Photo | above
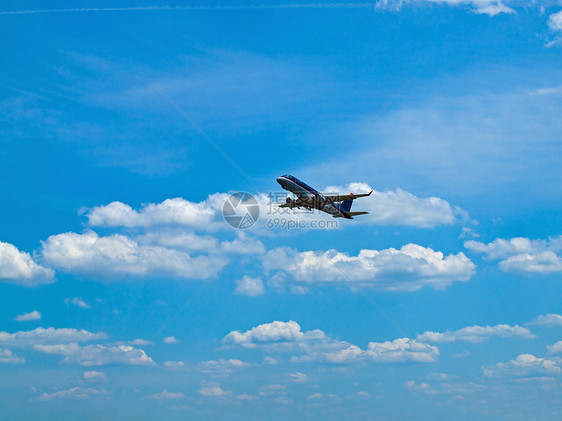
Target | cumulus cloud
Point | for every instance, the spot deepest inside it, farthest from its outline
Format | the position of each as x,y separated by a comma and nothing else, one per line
8,357
216,391
412,385
221,366
487,7
26,317
408,269
555,348
73,393
315,345
249,286
97,355
246,397
476,334
177,211
399,207
548,320
174,365
117,256
94,375
173,216
167,395
170,340
555,21
525,365
522,254
51,335
18,267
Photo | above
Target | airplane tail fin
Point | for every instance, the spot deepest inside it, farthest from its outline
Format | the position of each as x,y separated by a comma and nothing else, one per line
346,205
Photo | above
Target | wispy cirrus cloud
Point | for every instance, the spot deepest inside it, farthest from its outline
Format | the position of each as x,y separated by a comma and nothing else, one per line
97,355
77,392
45,336
486,7
476,334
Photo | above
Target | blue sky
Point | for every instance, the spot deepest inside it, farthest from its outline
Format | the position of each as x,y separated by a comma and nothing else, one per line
127,296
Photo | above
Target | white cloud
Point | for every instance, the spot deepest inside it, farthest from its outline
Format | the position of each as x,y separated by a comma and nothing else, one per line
173,216
487,7
97,355
51,335
555,21
170,340
476,334
545,262
408,269
548,320
246,397
315,396
94,375
213,391
556,90
168,395
78,302
177,211
298,377
8,357
174,365
139,341
555,348
271,334
73,393
221,366
18,267
26,317
399,207
180,239
412,385
117,256
524,365
315,345
522,254
249,286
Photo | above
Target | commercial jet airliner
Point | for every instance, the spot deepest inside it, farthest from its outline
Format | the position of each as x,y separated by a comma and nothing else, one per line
338,206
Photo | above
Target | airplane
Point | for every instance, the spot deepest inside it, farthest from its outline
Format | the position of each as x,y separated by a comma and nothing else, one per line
338,206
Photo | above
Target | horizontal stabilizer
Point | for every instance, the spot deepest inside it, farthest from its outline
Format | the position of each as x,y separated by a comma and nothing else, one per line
350,214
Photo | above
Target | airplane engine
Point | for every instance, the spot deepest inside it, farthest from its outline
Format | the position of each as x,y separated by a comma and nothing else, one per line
290,202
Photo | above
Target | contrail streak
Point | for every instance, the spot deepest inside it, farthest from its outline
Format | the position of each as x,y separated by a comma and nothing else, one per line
197,8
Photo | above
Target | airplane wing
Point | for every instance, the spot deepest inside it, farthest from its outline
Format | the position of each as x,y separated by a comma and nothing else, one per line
342,197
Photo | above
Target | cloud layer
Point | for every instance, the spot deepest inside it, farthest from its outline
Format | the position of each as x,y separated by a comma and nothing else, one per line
408,269
476,334
315,345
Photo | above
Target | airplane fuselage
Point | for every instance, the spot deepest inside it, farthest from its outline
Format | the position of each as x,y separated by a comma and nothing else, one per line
308,197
